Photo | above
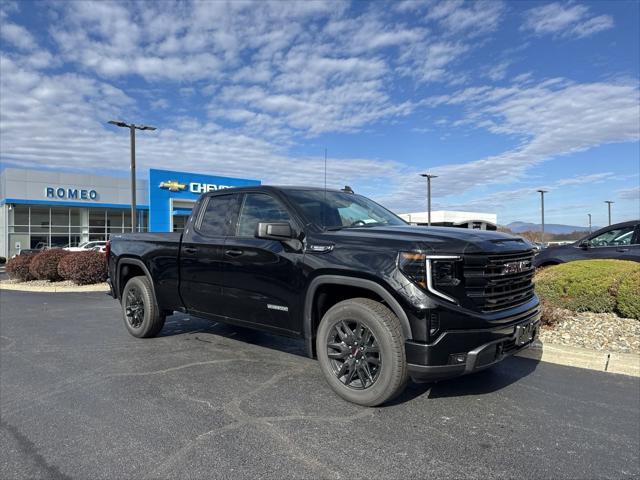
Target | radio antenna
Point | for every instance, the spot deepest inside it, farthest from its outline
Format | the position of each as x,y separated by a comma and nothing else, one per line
325,171
324,206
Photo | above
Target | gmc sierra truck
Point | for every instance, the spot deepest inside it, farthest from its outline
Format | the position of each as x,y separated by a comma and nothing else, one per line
376,300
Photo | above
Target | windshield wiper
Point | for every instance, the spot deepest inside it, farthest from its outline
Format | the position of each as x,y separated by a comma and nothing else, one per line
340,227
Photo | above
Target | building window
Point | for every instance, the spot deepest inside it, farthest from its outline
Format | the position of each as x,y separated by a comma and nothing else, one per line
36,227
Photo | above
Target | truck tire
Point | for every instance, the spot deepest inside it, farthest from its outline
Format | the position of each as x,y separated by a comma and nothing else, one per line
360,348
140,311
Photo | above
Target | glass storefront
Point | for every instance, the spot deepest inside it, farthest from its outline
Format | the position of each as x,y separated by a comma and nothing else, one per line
35,226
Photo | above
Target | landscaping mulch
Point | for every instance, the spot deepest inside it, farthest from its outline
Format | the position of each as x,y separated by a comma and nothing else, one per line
596,331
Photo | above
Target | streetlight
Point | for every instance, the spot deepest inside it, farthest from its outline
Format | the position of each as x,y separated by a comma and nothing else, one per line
589,222
542,192
609,202
132,130
428,176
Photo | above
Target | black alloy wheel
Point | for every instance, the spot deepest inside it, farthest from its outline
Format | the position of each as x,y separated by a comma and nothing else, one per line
140,311
354,354
134,307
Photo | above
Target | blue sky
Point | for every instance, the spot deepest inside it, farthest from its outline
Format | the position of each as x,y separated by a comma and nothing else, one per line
497,98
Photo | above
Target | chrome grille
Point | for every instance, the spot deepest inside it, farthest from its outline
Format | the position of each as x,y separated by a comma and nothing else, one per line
501,281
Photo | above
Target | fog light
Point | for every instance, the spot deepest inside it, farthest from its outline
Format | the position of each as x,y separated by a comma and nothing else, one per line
457,358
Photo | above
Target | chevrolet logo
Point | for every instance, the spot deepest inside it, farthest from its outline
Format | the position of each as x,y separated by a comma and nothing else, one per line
173,186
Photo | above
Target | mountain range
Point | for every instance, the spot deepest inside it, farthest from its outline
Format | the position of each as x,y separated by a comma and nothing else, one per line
556,228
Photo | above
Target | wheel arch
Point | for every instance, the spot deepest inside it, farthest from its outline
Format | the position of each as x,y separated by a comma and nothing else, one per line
361,283
138,265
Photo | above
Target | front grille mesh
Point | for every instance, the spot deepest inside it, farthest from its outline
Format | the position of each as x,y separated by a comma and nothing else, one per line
491,287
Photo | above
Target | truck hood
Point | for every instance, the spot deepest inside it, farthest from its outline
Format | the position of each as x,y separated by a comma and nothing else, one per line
438,239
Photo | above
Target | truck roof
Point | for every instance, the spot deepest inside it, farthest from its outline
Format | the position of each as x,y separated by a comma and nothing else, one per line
277,188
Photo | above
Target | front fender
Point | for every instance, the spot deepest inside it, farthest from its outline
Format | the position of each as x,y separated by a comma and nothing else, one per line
353,282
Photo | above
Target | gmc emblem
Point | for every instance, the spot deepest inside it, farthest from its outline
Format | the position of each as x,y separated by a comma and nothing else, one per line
516,267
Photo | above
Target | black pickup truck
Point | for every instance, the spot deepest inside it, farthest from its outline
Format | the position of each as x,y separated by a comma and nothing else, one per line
376,300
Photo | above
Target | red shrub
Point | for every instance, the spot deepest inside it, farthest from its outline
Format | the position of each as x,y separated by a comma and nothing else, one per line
65,266
44,265
83,268
18,267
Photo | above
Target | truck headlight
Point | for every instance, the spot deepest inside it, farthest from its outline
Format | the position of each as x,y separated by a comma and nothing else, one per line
431,271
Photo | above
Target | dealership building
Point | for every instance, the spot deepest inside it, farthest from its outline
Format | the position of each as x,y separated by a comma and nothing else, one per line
46,208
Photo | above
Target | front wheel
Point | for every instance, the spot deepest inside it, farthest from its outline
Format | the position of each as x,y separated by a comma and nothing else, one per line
142,317
360,349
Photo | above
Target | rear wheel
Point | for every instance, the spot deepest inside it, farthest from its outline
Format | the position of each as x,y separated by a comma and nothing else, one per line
360,349
142,317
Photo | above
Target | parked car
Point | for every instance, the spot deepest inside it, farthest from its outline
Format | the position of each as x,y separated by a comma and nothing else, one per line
375,299
98,246
620,241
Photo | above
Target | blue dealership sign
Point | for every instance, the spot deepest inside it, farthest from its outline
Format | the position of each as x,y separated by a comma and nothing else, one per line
170,191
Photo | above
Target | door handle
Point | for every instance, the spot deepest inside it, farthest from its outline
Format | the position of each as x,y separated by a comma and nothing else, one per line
190,250
233,253
622,250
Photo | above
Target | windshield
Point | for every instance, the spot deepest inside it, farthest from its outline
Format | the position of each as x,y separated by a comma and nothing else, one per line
335,210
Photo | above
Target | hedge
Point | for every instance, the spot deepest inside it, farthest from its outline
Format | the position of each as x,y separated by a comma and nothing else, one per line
44,265
83,268
603,286
18,268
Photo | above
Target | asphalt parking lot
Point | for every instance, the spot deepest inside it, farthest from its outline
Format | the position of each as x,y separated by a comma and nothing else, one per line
80,398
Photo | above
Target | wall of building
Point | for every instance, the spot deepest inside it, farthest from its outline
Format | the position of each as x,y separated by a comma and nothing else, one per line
64,188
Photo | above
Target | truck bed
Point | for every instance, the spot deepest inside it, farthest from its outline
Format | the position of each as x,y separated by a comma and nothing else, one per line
160,254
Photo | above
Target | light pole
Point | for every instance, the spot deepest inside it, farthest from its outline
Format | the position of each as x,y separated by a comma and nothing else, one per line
589,222
542,192
428,176
132,133
609,202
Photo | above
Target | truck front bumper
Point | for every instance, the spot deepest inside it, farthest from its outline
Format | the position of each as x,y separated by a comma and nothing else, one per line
460,352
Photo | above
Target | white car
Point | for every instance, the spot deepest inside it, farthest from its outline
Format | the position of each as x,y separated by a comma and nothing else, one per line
98,246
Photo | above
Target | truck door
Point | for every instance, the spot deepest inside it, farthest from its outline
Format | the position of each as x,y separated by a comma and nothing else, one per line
201,255
263,278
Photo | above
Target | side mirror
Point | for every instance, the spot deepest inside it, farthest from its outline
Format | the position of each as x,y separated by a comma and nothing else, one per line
275,231
585,244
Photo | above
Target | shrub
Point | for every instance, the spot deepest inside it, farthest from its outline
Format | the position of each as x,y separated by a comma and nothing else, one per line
18,268
65,266
83,268
3,260
590,285
44,265
629,295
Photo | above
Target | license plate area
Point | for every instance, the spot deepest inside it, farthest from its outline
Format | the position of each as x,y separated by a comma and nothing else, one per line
525,334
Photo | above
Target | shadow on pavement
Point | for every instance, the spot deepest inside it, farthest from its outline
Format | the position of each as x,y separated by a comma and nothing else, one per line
180,324
511,370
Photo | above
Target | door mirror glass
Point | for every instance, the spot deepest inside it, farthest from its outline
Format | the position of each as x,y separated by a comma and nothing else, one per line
275,231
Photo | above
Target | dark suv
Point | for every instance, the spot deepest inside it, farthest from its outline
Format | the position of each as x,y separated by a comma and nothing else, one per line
375,299
620,242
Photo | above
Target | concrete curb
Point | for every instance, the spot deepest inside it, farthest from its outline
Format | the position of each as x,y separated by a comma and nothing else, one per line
611,362
98,287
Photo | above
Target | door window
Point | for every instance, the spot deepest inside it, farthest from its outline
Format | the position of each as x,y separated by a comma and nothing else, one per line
613,237
259,207
218,215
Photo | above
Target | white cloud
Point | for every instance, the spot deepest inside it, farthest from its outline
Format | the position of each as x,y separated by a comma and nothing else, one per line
18,36
548,121
472,18
629,194
566,20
